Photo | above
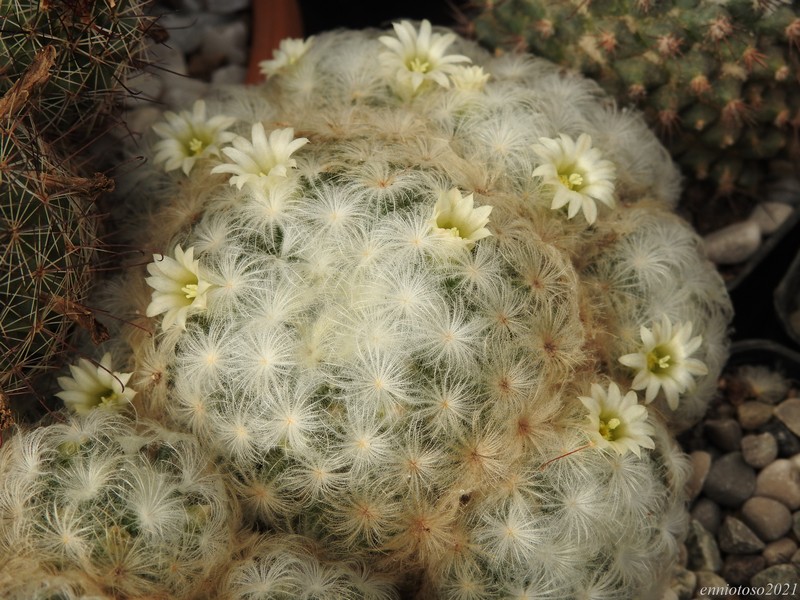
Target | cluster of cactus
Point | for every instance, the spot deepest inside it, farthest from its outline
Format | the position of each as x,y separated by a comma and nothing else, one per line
416,309
61,63
718,79
96,503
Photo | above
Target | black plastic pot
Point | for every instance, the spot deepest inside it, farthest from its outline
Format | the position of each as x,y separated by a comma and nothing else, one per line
760,352
787,300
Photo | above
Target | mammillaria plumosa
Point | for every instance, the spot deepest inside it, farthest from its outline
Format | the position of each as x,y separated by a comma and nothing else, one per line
419,293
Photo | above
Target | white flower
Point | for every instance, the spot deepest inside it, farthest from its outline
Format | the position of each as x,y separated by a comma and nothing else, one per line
414,59
262,162
95,387
456,218
663,361
288,53
190,136
469,79
178,287
617,422
577,173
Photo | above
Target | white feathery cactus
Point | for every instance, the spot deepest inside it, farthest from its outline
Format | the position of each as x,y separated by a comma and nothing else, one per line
93,504
401,321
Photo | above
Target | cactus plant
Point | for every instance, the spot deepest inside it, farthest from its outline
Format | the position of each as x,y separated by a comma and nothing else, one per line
718,80
94,503
48,228
95,43
60,68
417,308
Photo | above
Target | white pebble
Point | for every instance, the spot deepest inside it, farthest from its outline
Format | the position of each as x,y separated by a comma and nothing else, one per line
229,75
226,43
226,6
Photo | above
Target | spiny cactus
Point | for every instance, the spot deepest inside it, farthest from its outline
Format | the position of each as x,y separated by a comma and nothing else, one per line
95,43
406,306
60,67
48,232
718,79
100,505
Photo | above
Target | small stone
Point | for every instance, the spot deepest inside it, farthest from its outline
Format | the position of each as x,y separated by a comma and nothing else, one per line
701,463
796,558
788,412
683,583
780,481
185,29
229,75
759,450
224,7
738,569
788,443
780,580
670,595
779,552
733,244
703,550
726,434
771,215
796,524
708,580
737,538
708,514
730,480
143,88
768,518
753,414
182,92
227,43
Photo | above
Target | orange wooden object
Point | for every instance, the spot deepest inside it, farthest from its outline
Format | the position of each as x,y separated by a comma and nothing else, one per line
272,21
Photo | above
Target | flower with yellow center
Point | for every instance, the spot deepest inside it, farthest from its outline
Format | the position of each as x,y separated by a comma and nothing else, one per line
179,289
457,220
190,136
95,386
416,58
261,162
664,361
576,173
617,422
289,51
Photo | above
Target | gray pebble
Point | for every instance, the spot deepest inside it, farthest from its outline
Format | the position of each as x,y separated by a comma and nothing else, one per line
771,215
796,524
725,434
734,243
730,480
788,443
737,538
708,514
759,450
229,75
701,463
778,579
226,43
768,518
703,550
707,579
753,414
738,569
796,558
224,7
185,30
788,412
780,481
780,551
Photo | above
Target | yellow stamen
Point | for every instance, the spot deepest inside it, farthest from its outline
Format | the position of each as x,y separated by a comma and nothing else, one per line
195,146
190,290
607,428
419,66
572,180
